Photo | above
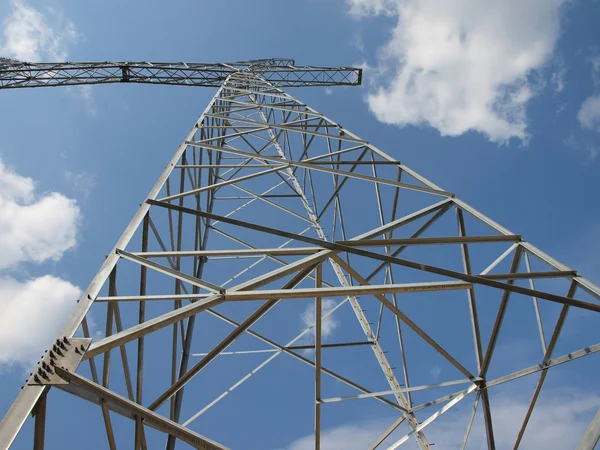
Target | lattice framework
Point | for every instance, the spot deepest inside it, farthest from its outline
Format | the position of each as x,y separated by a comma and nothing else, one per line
302,215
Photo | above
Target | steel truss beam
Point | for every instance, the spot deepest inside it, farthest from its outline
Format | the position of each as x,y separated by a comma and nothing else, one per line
93,392
280,72
281,189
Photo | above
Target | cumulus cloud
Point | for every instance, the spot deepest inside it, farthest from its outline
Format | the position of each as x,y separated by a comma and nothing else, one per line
557,80
589,113
589,117
31,314
85,94
372,7
595,62
435,372
30,35
33,229
558,422
461,65
33,36
582,144
83,183
328,325
345,437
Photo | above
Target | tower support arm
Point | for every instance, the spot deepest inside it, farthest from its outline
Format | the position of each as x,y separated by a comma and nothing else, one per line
279,72
95,393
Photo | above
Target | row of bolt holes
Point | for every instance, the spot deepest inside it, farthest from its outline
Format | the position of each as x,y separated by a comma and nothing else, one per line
56,350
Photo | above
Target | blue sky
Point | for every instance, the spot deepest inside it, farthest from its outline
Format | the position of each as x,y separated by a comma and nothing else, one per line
497,103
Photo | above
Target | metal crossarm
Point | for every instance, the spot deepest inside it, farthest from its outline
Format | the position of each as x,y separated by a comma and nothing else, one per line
279,72
275,234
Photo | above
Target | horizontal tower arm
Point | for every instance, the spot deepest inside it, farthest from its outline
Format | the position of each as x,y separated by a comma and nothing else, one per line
279,72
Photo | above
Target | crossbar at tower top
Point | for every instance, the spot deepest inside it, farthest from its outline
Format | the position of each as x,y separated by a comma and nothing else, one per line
281,72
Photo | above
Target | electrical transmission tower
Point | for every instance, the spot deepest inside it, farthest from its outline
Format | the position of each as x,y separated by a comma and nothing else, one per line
282,270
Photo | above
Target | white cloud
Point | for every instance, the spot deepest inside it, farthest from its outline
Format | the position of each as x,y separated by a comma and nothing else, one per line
435,372
595,62
33,230
85,94
328,324
558,422
345,437
83,183
31,314
30,35
581,144
357,42
589,113
557,80
362,8
462,65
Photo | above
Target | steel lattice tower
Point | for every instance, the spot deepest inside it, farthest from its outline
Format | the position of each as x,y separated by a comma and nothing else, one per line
267,207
